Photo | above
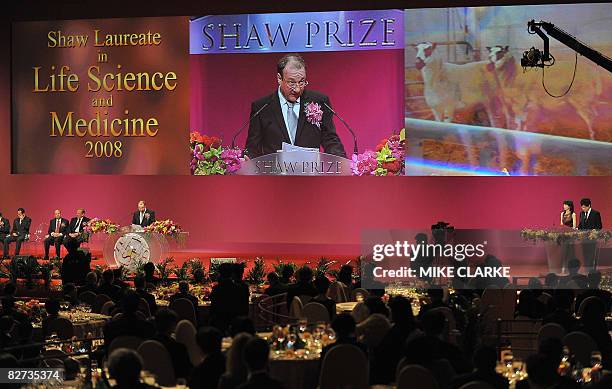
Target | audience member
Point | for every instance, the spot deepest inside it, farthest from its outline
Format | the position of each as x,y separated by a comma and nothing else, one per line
140,287
149,274
562,315
256,354
286,276
434,324
275,287
421,351
70,294
8,309
227,300
345,275
108,287
236,369
207,374
344,327
183,293
91,283
52,307
321,284
485,360
593,322
165,323
128,322
124,366
303,286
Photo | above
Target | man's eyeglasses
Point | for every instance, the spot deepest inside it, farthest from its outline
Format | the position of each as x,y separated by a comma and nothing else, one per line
295,84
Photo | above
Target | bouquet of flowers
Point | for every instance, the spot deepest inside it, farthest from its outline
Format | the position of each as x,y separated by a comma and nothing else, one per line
562,236
164,227
209,157
387,160
97,225
31,308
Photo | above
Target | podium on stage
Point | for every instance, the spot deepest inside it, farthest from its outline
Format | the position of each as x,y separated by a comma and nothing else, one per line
296,163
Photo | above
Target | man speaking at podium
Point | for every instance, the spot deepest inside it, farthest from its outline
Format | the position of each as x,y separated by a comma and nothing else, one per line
281,116
143,217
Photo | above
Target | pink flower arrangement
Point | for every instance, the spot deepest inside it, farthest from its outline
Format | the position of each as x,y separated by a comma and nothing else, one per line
97,225
364,164
314,113
210,157
164,227
387,160
232,159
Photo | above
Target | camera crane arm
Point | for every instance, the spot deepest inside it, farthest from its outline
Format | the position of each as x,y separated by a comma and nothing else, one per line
569,41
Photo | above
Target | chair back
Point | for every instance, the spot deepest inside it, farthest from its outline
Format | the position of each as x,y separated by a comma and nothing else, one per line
551,330
184,310
99,302
581,346
499,302
359,291
125,341
305,299
88,298
476,385
156,359
62,327
185,333
315,313
360,312
415,376
338,292
334,372
296,307
584,303
107,308
373,330
450,331
143,306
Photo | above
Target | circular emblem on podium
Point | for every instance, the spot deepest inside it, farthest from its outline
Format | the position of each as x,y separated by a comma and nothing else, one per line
131,249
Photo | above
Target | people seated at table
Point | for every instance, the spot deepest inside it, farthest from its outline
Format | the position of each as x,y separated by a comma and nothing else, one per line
436,300
562,314
574,280
419,351
303,286
8,309
58,228
124,366
321,284
108,287
183,293
286,276
118,278
91,284
75,236
390,350
19,233
344,327
140,287
227,299
128,322
485,361
52,307
275,286
69,294
593,323
256,355
236,370
206,375
149,274
165,323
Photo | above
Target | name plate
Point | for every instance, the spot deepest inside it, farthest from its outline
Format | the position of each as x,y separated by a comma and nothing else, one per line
296,163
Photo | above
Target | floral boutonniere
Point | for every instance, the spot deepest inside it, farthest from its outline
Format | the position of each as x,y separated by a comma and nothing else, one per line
314,113
147,215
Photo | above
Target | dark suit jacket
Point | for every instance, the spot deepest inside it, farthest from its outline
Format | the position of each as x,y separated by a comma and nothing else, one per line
261,380
150,299
22,228
178,355
5,228
127,325
206,375
73,222
145,221
268,130
63,226
592,223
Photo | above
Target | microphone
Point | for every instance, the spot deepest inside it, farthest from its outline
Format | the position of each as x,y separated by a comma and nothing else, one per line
247,122
355,150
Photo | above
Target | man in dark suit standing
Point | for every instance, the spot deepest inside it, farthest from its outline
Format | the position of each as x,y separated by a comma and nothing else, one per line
75,236
5,229
20,232
143,217
58,228
590,219
284,117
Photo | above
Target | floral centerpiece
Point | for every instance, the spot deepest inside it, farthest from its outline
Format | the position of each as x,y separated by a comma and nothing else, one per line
32,309
209,157
566,236
164,227
202,292
105,226
387,160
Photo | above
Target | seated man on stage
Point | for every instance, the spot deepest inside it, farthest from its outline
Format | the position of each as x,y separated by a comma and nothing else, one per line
58,228
75,236
5,229
143,217
281,116
21,229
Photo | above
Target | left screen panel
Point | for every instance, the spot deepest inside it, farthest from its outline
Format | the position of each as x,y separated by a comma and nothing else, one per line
100,96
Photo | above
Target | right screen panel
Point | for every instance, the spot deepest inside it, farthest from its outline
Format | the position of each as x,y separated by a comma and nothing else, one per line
471,108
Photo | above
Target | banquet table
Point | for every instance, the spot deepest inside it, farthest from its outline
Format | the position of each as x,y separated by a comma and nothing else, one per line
85,324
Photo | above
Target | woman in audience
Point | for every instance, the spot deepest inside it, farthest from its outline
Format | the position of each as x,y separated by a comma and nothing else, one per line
322,285
207,374
344,327
236,370
52,306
